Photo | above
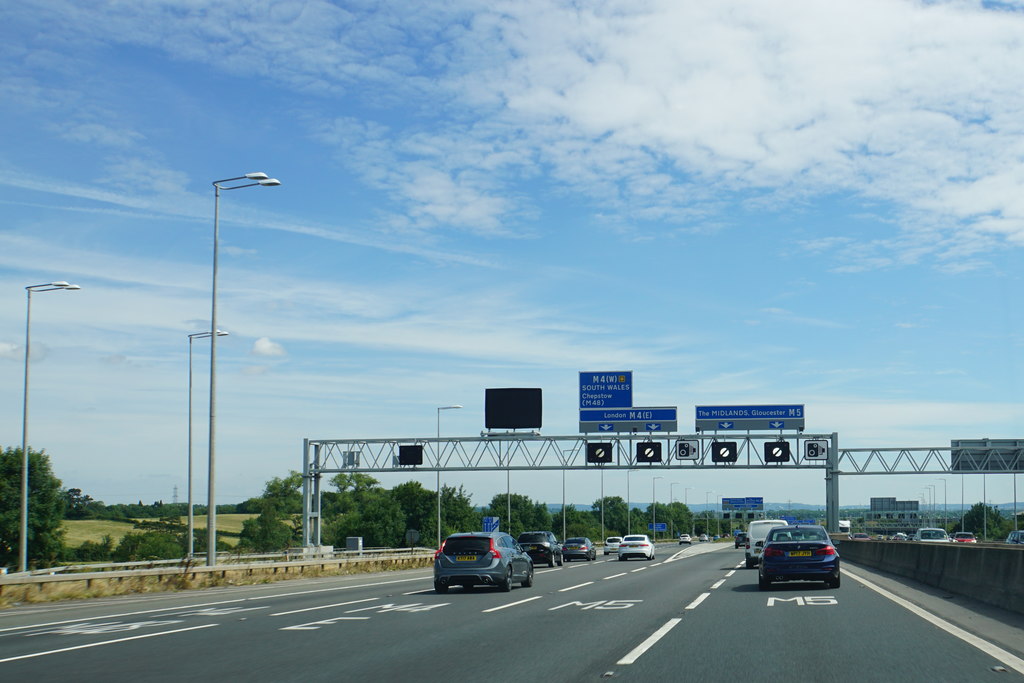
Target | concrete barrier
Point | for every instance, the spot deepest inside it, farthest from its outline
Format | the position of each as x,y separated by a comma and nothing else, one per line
991,574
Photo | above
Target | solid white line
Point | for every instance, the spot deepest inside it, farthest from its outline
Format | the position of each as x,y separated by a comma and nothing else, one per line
988,648
513,604
649,643
693,605
614,576
310,609
730,573
716,584
579,585
429,590
105,642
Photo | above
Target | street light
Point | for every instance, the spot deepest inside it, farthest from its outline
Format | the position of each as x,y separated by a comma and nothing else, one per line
707,510
191,517
687,505
23,541
654,508
931,496
260,180
565,460
452,407
629,512
945,501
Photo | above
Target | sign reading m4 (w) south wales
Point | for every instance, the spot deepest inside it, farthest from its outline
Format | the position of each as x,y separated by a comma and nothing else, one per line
606,389
771,417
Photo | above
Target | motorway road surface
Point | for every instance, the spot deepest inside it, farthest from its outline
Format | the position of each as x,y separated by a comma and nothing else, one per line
692,614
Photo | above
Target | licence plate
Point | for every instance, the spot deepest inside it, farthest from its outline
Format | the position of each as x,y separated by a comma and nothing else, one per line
572,547
799,553
465,558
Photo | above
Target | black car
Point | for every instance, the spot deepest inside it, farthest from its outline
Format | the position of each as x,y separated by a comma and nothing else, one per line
579,548
542,546
741,539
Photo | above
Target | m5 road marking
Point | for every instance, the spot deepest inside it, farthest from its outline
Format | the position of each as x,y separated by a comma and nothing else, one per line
599,604
806,600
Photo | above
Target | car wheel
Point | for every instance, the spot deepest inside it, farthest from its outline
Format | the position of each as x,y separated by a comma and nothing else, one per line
528,581
440,587
763,583
567,559
750,563
833,581
551,561
559,560
621,558
506,584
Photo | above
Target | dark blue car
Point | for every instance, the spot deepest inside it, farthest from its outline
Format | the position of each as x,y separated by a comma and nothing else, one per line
799,553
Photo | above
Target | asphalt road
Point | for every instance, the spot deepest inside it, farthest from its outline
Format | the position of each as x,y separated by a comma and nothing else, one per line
694,613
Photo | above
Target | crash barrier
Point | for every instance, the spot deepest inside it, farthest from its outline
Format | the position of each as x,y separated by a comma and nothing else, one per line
185,575
989,573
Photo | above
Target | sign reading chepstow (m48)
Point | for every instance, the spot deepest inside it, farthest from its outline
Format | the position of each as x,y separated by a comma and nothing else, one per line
716,418
606,389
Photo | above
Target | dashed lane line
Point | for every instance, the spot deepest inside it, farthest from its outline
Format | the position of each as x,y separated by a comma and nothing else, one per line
512,604
579,585
104,642
614,576
701,598
716,584
649,643
310,609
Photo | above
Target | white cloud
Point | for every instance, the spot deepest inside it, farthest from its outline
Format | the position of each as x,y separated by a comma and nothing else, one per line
265,347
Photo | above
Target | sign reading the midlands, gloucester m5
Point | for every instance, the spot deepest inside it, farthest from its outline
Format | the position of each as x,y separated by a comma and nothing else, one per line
606,405
723,418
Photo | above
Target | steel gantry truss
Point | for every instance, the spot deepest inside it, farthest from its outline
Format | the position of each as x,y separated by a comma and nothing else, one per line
532,452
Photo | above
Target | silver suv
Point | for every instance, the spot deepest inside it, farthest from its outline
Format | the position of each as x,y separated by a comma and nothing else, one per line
481,558
1016,537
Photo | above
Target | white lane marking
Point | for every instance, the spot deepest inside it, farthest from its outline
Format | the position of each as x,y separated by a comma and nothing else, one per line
207,604
310,609
615,576
649,643
730,573
741,564
512,604
716,584
550,569
693,551
702,598
988,648
634,571
579,585
429,590
315,625
105,642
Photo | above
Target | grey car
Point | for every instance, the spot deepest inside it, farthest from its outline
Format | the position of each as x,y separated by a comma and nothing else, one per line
481,558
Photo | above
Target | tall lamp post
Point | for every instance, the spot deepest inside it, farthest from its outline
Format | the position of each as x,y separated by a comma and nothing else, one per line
707,510
687,504
191,515
945,501
931,496
654,507
23,540
452,407
672,499
629,512
237,183
565,461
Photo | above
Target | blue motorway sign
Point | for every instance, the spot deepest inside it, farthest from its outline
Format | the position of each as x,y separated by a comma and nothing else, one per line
750,503
629,415
606,389
657,526
491,524
775,417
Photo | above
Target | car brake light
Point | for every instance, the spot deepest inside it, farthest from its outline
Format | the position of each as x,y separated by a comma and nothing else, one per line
748,545
494,552
440,551
773,552
827,550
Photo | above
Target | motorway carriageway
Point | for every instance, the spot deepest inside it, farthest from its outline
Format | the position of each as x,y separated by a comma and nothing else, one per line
694,613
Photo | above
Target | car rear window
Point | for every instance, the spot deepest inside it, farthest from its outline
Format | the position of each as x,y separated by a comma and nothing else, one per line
467,544
614,539
576,541
634,538
797,535
533,538
933,534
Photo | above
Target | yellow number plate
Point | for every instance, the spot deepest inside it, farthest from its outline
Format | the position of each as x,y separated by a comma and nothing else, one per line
799,553
466,558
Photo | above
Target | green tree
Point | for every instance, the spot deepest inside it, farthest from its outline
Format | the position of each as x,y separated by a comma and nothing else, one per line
614,515
78,505
148,545
526,514
981,517
46,503
419,507
270,531
457,513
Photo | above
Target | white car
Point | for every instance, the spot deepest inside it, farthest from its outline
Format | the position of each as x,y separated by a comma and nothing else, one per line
612,544
636,545
685,538
931,536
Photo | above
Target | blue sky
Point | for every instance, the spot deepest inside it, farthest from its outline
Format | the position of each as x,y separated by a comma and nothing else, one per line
741,203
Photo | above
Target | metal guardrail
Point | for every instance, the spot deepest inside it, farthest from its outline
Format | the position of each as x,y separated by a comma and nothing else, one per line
199,559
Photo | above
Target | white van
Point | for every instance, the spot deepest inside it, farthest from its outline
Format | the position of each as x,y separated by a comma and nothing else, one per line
757,531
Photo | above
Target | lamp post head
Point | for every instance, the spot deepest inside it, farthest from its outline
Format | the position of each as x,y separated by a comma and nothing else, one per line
270,182
256,176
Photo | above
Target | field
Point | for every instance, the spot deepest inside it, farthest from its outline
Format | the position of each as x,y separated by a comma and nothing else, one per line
81,530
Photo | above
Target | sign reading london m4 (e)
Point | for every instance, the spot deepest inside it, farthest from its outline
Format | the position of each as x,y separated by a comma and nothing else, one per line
606,389
629,420
715,418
